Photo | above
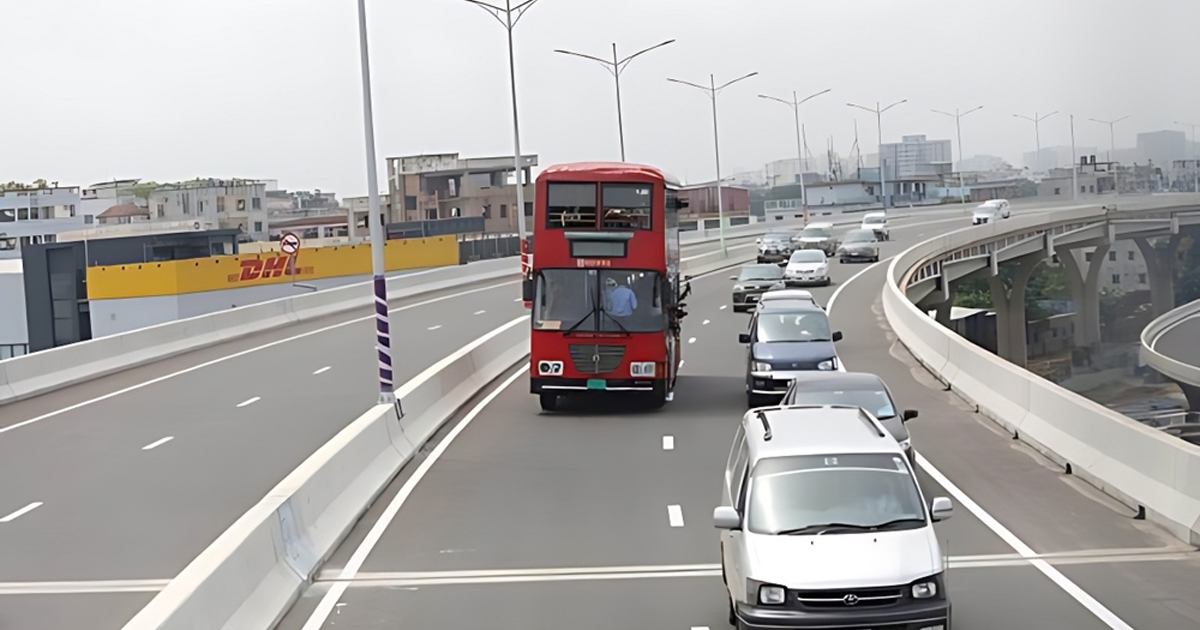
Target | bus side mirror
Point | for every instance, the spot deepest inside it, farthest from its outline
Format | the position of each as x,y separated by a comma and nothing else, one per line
527,290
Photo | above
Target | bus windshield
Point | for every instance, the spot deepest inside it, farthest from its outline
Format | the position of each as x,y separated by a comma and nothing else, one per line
598,300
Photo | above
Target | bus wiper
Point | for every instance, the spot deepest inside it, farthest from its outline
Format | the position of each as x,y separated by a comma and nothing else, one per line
616,321
580,322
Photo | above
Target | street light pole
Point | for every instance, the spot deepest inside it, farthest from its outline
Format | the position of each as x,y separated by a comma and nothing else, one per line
713,89
1195,159
958,116
795,104
508,16
1074,164
1037,133
383,336
878,111
616,67
1112,136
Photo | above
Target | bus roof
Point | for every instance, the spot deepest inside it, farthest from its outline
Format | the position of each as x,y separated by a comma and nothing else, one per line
607,170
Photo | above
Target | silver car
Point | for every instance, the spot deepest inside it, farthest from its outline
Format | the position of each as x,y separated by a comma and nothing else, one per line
859,245
823,525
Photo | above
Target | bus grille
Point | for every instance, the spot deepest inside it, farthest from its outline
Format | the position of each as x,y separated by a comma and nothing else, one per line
596,359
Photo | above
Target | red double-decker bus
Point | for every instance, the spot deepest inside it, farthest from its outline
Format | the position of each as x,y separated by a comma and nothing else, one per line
606,292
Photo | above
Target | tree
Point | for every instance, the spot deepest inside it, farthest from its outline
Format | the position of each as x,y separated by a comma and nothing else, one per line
142,190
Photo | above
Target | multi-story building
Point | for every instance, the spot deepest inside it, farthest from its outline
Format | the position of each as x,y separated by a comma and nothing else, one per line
1054,157
237,204
425,187
37,216
101,196
1092,177
1162,147
914,156
702,200
1123,267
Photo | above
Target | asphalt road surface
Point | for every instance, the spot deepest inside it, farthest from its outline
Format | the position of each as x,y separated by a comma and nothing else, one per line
600,517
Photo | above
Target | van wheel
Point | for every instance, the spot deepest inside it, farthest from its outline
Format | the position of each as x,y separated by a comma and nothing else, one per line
549,401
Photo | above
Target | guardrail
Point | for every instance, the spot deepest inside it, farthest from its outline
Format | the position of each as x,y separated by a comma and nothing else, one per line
1153,473
253,572
1171,368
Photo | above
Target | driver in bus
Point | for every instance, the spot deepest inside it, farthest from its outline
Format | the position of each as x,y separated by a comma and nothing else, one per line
619,300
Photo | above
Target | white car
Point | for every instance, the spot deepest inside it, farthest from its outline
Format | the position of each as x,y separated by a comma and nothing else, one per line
877,223
990,212
807,266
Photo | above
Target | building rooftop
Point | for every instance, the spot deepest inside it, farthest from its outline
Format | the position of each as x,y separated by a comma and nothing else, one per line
450,163
124,210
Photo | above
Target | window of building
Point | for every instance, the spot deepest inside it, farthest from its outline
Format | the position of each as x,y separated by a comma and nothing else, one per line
1130,253
1092,188
161,213
1083,189
88,219
456,212
258,226
1116,279
1112,256
1058,191
410,202
241,205
503,211
1088,256
72,206
256,203
1141,278
487,212
22,214
220,205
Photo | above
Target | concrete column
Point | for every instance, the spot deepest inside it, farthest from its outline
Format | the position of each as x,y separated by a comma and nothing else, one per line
944,307
1009,301
1085,292
1160,272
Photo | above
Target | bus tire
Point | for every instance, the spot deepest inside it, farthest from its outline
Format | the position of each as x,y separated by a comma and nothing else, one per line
548,401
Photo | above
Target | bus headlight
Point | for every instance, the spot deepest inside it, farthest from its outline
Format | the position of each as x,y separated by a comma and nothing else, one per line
642,369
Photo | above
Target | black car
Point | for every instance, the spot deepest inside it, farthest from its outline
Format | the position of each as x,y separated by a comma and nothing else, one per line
859,245
752,282
860,389
786,341
774,247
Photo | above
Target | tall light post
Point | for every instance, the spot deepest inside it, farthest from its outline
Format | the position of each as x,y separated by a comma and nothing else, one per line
878,111
1195,158
383,325
712,90
616,67
958,116
508,16
795,104
1112,136
1074,163
1037,133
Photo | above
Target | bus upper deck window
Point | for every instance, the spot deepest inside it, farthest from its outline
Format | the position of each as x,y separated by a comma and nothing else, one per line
570,205
627,206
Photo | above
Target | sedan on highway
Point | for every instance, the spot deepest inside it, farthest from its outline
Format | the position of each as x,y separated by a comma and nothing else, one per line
866,391
774,247
807,266
817,236
752,282
990,212
877,222
786,340
859,245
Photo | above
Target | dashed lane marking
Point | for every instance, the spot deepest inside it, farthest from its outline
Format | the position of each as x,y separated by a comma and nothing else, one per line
434,327
668,442
249,402
157,443
675,515
321,371
21,512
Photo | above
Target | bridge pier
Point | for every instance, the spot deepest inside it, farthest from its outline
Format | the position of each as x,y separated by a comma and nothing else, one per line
1160,271
1008,298
1085,291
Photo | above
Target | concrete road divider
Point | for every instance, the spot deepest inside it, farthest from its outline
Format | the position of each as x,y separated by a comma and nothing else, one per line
1155,474
46,371
249,577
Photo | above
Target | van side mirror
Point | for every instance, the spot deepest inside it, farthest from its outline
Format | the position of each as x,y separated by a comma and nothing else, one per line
942,509
837,336
908,414
733,277
725,517
743,337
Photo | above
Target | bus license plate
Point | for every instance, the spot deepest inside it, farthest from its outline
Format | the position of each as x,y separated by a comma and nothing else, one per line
597,383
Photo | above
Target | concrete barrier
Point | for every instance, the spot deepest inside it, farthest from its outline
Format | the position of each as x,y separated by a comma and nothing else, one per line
1171,368
46,371
1148,470
252,573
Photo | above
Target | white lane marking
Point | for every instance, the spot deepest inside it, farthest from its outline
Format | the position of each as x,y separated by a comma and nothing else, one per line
692,340
249,402
21,512
668,442
82,587
681,362
723,306
1070,588
1102,613
157,443
325,606
242,353
519,300
480,312
705,322
675,515
699,627
838,291
321,371
434,327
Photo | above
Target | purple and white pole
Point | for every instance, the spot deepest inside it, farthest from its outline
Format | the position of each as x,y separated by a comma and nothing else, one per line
375,222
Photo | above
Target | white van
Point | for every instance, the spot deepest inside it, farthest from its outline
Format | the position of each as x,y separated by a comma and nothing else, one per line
876,222
990,211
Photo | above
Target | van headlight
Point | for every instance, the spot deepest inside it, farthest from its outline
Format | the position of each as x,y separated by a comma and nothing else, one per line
737,288
771,594
827,364
759,366
921,590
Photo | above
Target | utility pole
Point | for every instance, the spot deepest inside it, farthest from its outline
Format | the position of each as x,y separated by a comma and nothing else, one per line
1037,134
795,104
958,116
878,111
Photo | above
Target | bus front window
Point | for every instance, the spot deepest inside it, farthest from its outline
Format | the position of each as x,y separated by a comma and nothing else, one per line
591,300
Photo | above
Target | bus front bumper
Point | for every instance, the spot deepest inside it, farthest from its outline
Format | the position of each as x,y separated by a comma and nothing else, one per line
556,385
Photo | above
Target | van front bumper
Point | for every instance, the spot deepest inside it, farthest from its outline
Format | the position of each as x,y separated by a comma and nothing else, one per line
931,615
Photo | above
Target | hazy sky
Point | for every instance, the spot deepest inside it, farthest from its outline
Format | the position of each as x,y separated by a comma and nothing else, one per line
173,89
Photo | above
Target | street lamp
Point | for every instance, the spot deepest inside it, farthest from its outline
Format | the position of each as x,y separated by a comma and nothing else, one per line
616,67
508,16
1195,160
1037,133
383,326
879,128
958,116
712,90
795,105
1112,137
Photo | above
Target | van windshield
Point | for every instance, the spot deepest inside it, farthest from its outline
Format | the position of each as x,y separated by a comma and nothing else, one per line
826,494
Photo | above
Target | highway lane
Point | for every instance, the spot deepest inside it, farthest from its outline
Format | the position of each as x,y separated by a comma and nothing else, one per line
1182,341
589,491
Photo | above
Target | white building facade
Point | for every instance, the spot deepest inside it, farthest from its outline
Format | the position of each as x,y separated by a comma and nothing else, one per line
231,204
913,156
36,216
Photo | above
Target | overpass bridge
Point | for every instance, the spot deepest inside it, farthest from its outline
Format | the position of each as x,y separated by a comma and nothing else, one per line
1171,346
223,486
